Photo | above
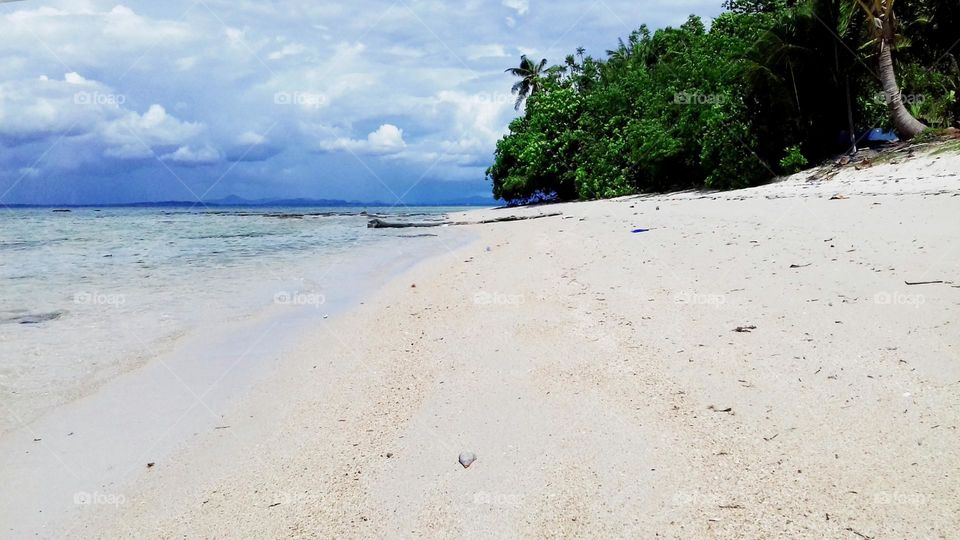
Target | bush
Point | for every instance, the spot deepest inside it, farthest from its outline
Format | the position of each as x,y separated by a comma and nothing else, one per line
794,161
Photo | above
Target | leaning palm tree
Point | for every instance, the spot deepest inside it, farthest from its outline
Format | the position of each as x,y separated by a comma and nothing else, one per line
883,26
530,75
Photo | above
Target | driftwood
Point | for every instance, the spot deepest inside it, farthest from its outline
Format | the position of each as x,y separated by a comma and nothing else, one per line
381,224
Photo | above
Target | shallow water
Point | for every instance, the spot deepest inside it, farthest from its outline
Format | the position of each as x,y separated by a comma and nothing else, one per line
90,294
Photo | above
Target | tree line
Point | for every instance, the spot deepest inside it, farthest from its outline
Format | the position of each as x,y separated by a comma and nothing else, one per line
770,87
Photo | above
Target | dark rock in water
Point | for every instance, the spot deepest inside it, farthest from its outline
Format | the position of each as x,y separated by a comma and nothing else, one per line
35,318
61,211
467,459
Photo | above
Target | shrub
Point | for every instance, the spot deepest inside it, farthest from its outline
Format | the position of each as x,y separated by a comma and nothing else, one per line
794,161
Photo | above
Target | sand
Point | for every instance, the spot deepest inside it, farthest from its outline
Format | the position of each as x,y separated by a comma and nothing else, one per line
597,375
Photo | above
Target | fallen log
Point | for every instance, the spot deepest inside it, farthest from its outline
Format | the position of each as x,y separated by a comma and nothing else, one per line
381,224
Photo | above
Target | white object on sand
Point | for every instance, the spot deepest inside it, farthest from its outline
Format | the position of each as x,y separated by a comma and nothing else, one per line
467,459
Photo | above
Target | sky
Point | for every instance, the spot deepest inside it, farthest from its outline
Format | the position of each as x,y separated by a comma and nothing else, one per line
399,101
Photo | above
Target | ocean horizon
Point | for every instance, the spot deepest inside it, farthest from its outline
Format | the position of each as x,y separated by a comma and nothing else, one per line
239,202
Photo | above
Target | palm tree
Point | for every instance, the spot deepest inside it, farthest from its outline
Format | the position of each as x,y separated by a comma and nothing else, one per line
622,52
529,83
883,26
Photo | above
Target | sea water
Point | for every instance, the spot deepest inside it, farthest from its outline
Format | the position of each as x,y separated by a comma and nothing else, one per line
89,294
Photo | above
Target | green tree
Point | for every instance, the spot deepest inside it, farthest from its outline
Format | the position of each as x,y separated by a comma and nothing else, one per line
530,74
767,89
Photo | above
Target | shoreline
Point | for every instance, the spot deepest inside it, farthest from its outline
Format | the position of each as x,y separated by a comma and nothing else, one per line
108,307
753,365
89,447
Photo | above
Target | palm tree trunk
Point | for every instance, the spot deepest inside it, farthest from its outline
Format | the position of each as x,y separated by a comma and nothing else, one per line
850,126
906,125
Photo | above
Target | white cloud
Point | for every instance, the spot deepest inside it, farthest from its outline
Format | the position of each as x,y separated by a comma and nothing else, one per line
291,49
488,51
520,6
49,109
77,34
36,109
251,138
187,83
472,124
387,139
234,35
75,78
135,136
186,155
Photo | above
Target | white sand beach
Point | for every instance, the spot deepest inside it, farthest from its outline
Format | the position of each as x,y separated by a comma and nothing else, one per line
599,377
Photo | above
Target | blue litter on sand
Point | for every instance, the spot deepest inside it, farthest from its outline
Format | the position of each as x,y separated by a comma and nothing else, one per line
640,230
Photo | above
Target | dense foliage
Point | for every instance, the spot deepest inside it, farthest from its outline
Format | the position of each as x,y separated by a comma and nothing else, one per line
771,86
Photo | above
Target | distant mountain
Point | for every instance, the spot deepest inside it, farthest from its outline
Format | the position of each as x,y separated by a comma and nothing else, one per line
234,201
465,201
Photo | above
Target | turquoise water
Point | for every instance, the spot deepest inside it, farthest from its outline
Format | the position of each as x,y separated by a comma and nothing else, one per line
89,294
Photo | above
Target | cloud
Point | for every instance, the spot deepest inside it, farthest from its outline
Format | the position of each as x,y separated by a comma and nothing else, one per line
251,138
291,49
520,6
387,139
137,136
48,109
186,155
488,51
198,85
251,147
78,33
39,108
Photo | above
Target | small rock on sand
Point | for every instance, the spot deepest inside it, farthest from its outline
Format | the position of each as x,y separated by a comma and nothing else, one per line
467,459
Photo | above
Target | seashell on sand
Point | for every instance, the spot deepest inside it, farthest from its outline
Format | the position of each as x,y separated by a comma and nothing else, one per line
467,459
